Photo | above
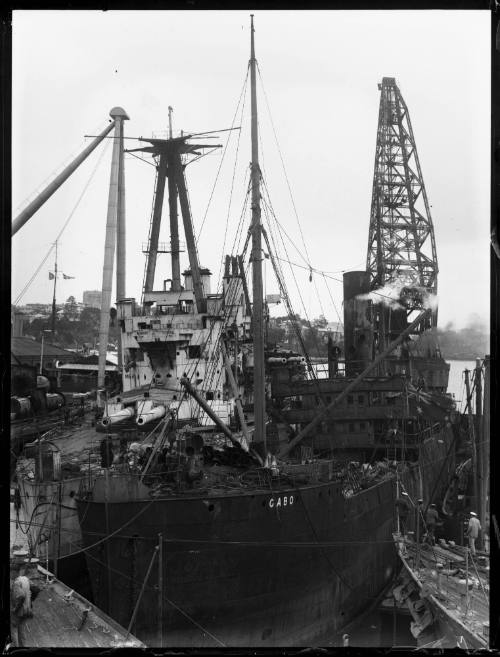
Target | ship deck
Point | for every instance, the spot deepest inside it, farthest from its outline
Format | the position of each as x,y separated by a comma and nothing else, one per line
465,615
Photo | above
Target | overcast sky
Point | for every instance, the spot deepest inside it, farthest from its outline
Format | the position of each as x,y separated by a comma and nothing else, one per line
319,70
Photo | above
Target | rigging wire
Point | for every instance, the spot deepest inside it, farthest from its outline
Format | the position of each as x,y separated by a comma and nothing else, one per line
233,177
267,203
106,538
211,374
243,91
332,300
28,284
282,163
164,597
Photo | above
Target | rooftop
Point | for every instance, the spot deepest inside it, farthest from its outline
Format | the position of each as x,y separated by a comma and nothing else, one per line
30,348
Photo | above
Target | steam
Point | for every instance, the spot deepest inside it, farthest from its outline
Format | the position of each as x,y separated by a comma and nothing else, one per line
392,293
431,301
388,295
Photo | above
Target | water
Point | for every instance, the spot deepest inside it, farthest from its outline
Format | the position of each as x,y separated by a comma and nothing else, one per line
383,629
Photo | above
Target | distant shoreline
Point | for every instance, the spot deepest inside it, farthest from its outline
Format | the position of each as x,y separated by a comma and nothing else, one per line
461,357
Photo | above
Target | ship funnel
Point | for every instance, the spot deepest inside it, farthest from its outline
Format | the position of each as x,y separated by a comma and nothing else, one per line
358,328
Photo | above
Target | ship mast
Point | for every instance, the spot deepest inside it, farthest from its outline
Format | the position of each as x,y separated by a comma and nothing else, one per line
257,288
54,296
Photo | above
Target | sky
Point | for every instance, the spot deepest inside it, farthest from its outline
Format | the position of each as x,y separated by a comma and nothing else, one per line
318,111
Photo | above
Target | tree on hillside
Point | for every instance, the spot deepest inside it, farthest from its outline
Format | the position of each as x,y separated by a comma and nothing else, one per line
84,329
320,322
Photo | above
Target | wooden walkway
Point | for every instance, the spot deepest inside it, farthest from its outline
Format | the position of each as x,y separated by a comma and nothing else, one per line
64,619
61,617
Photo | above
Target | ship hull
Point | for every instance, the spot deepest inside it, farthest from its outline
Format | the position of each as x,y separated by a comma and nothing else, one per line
246,569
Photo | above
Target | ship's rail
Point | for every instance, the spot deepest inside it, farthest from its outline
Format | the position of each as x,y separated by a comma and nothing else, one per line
352,477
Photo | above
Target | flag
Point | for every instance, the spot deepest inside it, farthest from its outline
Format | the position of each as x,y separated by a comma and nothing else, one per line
66,277
51,276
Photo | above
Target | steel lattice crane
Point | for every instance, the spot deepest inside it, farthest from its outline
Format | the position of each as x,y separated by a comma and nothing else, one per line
401,245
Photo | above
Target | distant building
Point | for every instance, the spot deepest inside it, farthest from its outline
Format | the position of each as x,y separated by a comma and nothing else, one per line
92,298
27,352
40,308
336,330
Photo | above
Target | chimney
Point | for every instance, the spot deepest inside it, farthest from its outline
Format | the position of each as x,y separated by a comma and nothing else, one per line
17,326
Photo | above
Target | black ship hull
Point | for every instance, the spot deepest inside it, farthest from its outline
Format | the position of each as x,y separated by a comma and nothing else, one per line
257,568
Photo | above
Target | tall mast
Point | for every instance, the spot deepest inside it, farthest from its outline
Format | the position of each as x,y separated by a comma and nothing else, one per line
174,220
257,310
54,297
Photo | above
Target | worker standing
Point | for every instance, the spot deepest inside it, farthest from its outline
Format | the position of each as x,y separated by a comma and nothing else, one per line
431,520
473,531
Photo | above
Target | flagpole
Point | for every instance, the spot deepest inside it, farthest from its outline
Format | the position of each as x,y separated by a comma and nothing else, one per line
54,297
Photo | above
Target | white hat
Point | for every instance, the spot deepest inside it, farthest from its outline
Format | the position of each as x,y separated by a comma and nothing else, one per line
473,514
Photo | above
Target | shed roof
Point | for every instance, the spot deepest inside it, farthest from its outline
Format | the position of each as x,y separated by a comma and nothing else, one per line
28,348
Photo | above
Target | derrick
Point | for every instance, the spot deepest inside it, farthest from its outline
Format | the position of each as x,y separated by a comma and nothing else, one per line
401,245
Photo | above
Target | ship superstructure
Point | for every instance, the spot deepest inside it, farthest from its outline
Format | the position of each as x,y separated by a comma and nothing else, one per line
175,331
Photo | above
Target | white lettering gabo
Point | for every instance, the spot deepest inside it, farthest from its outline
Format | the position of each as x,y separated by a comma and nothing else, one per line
286,501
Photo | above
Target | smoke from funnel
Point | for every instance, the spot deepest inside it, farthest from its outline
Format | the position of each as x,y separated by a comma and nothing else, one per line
394,294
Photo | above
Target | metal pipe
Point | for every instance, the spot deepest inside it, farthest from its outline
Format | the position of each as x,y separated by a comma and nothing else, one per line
243,445
121,233
37,203
308,428
119,115
213,416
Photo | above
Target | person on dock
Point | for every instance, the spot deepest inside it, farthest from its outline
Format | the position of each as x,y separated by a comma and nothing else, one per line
431,520
403,511
473,531
22,594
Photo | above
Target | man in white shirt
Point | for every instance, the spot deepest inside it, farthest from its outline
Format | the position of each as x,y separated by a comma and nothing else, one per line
473,531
